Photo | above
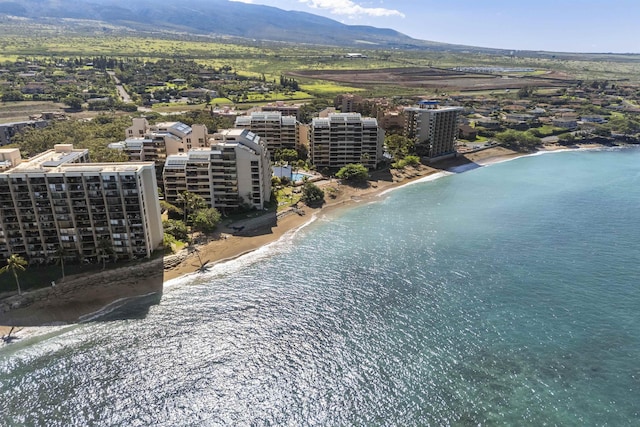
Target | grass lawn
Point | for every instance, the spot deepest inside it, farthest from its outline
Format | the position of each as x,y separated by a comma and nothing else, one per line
221,101
174,107
479,140
280,96
547,130
286,197
323,88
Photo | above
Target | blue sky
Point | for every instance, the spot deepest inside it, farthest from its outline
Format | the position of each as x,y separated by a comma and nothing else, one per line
552,25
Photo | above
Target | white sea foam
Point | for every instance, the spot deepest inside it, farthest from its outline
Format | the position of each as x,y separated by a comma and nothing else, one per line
230,266
27,335
109,308
233,265
427,178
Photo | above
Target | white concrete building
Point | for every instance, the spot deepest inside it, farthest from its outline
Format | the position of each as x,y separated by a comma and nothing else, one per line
234,170
345,138
57,199
153,143
276,130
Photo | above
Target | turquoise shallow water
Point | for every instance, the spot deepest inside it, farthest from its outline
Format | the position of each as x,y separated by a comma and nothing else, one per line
505,295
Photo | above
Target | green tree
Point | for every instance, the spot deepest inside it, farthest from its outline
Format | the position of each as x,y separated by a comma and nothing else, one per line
567,138
94,135
206,220
190,203
399,146
526,92
623,124
407,161
14,95
602,131
353,172
15,263
166,206
518,139
74,102
168,242
312,194
412,160
177,229
286,155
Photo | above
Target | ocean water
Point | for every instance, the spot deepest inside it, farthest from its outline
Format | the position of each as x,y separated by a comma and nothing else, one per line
505,295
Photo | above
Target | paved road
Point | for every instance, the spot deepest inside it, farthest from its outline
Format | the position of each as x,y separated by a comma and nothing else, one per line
124,96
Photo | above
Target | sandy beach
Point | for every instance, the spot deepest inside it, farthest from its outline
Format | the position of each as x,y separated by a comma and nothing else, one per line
82,296
234,246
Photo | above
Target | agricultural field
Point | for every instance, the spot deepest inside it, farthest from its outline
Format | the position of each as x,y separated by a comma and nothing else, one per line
237,66
431,78
272,59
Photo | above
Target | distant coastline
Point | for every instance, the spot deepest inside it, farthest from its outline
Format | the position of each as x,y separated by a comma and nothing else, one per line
85,298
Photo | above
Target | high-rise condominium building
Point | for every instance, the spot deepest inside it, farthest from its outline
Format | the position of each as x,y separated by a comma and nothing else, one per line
285,109
233,171
58,200
153,143
345,138
277,131
434,130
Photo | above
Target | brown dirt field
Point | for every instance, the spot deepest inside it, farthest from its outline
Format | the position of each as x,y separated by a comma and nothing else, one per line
435,78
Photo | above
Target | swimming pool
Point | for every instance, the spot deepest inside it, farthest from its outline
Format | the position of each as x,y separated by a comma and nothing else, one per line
295,177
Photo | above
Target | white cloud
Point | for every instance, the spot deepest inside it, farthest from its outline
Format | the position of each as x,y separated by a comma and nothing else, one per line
348,7
243,1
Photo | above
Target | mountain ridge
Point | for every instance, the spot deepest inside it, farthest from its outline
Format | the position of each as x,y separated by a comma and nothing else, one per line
222,18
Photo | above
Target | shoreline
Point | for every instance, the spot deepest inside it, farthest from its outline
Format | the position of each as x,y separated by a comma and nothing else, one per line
90,303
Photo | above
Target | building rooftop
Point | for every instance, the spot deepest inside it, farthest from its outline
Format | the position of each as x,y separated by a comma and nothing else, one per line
62,153
335,118
432,108
24,122
60,160
174,128
236,135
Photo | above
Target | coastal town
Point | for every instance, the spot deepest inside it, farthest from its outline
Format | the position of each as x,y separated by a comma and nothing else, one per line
199,192
319,212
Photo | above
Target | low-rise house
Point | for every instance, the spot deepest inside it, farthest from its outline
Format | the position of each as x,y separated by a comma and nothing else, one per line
594,119
538,111
565,122
488,124
467,132
515,117
9,130
326,112
198,93
34,88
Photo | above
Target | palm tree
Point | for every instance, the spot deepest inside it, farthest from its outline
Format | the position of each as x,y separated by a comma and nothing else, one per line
182,200
60,254
15,263
190,202
105,248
